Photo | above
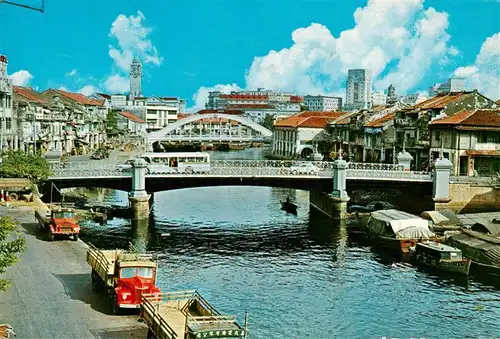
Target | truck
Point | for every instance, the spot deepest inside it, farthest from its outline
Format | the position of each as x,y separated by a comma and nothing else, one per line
187,315
57,222
124,275
16,188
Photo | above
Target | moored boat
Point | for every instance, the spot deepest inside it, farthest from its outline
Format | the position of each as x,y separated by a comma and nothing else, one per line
442,257
289,207
397,230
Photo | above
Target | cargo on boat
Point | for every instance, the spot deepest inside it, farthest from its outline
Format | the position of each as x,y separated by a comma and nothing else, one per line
186,315
441,257
397,230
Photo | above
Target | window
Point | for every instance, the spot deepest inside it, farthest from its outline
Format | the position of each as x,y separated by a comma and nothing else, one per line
437,135
482,137
128,272
145,272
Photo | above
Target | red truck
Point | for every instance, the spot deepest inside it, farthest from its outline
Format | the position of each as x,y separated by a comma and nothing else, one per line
125,275
58,221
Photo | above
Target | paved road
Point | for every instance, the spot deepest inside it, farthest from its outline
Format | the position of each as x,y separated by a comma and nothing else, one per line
51,296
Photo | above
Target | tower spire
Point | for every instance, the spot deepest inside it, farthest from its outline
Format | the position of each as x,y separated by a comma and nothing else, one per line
135,78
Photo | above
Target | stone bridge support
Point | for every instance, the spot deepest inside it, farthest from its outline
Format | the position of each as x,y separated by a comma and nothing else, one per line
138,197
333,205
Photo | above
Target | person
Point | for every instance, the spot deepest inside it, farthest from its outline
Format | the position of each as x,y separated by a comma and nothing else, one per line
287,200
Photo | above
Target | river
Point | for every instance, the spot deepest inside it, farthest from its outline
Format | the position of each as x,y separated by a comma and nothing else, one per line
297,276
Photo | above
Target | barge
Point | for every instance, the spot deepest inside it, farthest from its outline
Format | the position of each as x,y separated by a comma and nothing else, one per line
442,257
187,315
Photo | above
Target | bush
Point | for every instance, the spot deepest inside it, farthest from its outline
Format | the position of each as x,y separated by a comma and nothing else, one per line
16,164
11,243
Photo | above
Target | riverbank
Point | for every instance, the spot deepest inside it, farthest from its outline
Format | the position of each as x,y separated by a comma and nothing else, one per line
51,295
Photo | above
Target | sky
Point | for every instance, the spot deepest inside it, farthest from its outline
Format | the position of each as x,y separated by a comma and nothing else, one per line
189,47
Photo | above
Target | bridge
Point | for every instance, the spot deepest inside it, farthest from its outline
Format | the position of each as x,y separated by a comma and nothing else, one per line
196,128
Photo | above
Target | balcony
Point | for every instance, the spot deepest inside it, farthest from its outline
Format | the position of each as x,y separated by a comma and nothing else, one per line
405,123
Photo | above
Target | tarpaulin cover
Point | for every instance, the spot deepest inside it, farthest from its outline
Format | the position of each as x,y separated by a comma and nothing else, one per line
399,224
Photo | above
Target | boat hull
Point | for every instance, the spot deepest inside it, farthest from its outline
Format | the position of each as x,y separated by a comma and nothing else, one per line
461,267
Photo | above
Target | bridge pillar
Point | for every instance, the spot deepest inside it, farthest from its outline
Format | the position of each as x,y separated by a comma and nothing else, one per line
405,159
138,197
339,194
441,182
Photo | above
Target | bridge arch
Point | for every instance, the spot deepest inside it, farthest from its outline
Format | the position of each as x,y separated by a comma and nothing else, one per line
160,135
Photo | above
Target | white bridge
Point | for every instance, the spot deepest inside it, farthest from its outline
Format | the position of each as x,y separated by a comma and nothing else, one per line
264,169
211,127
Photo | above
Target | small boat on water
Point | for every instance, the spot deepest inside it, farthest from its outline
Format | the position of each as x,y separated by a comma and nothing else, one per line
442,257
289,207
397,230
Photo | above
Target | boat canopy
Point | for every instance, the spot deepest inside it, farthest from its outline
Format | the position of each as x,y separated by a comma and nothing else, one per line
399,224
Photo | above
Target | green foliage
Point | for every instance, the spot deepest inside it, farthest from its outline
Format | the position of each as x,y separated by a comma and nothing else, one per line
16,164
112,123
11,244
268,122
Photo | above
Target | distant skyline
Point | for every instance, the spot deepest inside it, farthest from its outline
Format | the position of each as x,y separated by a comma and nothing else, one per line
191,47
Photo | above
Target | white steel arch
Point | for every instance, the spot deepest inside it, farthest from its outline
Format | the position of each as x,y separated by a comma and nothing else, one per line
159,135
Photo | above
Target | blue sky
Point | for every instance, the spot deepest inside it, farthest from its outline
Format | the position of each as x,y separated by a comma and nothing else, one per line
189,47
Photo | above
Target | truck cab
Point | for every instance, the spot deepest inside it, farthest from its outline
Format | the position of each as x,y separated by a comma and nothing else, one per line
62,222
135,276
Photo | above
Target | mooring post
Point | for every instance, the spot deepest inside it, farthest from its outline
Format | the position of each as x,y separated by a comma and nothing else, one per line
441,182
138,197
339,195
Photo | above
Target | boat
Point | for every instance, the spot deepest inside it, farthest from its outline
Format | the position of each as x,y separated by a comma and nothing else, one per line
397,230
442,257
289,207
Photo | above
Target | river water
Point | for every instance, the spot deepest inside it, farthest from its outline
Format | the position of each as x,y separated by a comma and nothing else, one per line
297,276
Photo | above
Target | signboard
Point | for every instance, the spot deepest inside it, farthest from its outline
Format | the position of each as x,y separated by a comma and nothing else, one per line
221,334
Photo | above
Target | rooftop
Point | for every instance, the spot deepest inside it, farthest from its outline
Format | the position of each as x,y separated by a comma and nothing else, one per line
479,117
220,111
379,122
251,106
29,95
309,119
132,117
440,100
77,97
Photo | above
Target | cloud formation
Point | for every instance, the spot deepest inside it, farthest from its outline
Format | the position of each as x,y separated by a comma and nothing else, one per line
21,78
117,84
87,90
201,95
484,74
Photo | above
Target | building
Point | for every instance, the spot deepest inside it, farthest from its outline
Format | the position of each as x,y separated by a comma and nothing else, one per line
412,124
161,111
470,140
321,103
412,99
379,137
391,94
130,123
135,79
299,135
378,99
9,138
358,89
452,85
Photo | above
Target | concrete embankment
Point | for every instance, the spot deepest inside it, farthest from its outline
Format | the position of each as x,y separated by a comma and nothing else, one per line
51,296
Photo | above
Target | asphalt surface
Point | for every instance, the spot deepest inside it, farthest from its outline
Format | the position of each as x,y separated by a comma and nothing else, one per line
51,297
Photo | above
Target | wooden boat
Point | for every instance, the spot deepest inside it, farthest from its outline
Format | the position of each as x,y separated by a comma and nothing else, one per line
397,230
441,257
289,207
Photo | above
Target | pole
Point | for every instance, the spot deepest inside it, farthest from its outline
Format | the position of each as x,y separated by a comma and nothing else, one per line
246,324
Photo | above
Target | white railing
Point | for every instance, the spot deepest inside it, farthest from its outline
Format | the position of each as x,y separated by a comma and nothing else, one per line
246,169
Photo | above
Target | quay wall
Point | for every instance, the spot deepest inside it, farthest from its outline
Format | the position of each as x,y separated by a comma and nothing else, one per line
328,205
471,198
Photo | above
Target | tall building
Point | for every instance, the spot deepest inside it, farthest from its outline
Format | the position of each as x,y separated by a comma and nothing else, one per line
358,89
452,85
320,103
391,94
8,123
135,79
379,98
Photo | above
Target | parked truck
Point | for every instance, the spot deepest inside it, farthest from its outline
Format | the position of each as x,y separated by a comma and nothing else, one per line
57,222
16,188
124,275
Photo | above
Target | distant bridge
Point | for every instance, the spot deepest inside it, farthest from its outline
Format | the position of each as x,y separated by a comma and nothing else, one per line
224,133
273,173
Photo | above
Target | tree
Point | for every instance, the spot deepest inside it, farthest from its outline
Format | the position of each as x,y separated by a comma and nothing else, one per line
16,164
268,122
111,123
11,244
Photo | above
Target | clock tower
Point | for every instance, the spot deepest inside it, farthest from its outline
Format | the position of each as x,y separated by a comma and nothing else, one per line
135,79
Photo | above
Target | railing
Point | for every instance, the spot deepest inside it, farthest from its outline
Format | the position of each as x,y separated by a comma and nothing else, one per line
153,319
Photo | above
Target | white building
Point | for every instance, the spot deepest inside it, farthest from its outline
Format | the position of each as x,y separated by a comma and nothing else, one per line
8,120
452,85
320,103
161,112
130,123
379,98
358,89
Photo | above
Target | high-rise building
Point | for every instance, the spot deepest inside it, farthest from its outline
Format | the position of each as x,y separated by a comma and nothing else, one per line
452,85
391,94
135,79
379,98
358,89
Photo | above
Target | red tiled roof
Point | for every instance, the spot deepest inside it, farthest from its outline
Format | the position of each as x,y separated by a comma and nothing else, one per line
182,115
132,117
80,98
308,119
221,111
479,117
379,122
104,95
440,100
244,96
30,94
250,106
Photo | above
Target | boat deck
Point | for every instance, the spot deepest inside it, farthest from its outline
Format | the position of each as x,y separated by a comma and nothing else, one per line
171,312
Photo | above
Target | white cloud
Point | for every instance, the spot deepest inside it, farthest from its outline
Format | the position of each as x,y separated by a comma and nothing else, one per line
117,84
401,34
71,73
21,78
201,95
484,74
132,38
87,90
63,88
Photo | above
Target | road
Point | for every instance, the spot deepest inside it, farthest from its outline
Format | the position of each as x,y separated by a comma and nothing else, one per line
51,297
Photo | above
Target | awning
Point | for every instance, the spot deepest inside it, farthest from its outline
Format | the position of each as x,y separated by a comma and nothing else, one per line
491,153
